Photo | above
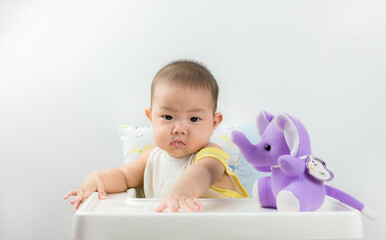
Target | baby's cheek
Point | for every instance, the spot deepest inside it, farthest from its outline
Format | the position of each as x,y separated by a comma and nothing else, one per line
202,140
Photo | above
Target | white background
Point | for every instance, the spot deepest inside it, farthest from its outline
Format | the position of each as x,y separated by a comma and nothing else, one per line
71,72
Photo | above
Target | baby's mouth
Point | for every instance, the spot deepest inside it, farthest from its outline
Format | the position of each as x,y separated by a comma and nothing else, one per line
178,143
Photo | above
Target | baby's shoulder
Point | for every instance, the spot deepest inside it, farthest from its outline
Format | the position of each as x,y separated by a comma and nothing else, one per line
145,156
212,145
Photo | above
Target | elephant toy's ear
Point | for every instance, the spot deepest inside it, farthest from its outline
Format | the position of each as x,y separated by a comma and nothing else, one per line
263,119
291,134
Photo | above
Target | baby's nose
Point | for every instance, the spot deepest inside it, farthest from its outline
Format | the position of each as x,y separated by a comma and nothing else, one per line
180,128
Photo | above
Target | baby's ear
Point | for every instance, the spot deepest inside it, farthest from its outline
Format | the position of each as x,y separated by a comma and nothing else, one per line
148,113
217,119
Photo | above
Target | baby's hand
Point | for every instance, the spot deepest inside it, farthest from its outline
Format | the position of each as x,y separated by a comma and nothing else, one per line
184,203
179,197
91,184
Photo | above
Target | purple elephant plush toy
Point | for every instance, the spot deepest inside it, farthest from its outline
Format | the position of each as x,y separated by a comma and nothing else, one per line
297,178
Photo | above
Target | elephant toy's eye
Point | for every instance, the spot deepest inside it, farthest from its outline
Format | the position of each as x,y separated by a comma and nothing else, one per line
267,147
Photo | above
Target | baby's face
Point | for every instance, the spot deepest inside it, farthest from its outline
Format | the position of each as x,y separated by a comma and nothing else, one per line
182,119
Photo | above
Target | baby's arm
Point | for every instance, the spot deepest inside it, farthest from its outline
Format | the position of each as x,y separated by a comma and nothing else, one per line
193,183
110,180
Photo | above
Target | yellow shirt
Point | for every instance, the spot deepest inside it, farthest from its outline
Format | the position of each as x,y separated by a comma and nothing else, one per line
162,170
215,192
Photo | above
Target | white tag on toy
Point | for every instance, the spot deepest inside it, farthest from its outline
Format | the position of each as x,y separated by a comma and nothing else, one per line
317,168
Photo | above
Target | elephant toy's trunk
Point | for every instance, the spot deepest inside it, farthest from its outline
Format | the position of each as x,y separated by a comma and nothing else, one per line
245,146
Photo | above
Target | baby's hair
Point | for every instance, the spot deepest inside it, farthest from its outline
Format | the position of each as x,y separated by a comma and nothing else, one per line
187,73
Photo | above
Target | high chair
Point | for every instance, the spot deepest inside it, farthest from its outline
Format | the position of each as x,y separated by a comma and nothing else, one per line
123,216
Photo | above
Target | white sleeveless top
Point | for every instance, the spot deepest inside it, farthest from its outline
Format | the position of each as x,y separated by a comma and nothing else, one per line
161,171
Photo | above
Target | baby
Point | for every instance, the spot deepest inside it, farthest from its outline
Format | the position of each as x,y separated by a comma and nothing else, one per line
184,165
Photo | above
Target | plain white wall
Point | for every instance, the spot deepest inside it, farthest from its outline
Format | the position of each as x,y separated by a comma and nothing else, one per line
71,72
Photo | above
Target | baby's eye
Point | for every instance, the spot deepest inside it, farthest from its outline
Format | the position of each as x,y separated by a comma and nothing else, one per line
167,117
195,119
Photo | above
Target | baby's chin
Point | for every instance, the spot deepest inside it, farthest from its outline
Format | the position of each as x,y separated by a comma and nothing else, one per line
180,152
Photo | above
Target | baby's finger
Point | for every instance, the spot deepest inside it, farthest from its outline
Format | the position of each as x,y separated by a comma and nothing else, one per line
162,206
86,195
192,204
101,189
198,204
79,197
184,205
70,193
76,206
78,200
173,205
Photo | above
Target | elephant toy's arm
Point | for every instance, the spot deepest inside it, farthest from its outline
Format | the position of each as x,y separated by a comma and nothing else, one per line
292,166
